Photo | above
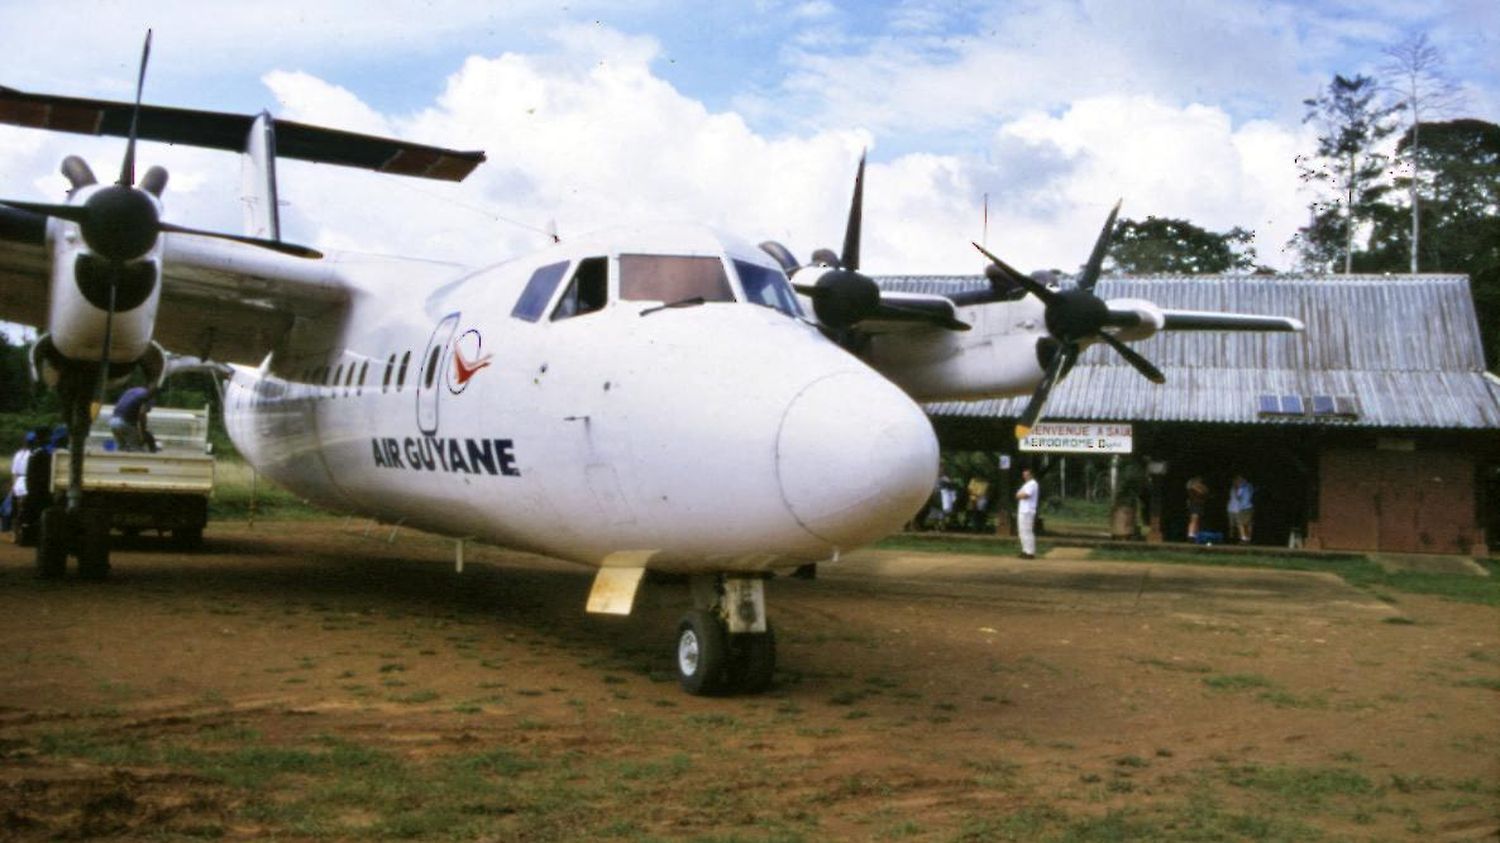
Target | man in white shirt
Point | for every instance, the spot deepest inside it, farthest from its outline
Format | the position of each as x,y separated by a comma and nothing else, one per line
1026,500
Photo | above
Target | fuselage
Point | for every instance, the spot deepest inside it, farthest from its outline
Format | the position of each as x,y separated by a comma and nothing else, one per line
552,403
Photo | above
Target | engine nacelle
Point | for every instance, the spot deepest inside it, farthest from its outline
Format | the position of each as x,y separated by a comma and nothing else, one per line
81,295
1151,318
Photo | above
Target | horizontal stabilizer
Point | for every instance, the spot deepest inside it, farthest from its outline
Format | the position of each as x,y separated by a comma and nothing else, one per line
219,130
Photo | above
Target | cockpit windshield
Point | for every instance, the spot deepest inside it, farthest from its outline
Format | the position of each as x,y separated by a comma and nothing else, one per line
673,278
766,286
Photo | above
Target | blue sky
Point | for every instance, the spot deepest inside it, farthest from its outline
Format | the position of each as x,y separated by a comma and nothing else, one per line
748,116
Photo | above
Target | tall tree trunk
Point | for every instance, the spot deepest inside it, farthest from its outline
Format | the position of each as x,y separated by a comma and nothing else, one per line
1349,218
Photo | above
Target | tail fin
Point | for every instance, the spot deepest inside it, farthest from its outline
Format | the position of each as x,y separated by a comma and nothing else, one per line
258,174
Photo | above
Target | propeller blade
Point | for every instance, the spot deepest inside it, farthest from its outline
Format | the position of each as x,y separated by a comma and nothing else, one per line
1033,409
1031,285
1091,270
127,169
274,245
1135,359
782,255
77,172
71,213
849,259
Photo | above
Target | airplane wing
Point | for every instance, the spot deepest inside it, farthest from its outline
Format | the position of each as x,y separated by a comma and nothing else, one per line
908,312
219,130
231,303
24,265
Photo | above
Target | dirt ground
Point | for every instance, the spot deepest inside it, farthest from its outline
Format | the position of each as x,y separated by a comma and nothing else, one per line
310,680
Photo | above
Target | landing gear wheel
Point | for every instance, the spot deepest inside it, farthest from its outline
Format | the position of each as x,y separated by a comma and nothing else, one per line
752,660
701,653
93,544
52,544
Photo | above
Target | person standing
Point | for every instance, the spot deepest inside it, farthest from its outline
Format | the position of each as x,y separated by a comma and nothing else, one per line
1026,501
1197,496
1241,507
16,498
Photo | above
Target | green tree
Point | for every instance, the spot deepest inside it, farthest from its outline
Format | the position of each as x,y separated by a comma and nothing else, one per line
1163,245
16,392
1348,168
1459,195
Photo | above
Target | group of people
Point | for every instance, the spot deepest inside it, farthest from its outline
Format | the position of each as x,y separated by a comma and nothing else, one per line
956,506
31,482
1240,508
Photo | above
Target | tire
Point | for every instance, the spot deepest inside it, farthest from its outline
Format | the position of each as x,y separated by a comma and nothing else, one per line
52,544
93,544
752,661
702,657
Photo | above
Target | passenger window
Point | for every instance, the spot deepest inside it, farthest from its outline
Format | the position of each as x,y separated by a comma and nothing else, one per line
390,366
401,376
766,286
432,365
672,279
539,291
587,292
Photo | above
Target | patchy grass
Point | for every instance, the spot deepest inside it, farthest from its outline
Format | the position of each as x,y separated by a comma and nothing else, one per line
235,488
1238,682
1357,570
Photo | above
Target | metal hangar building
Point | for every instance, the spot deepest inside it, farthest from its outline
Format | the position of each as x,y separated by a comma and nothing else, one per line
1377,429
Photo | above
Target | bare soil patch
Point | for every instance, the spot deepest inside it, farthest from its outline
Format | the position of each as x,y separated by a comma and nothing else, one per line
309,680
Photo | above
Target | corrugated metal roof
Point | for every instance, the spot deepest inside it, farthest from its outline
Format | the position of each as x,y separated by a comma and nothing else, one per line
1407,348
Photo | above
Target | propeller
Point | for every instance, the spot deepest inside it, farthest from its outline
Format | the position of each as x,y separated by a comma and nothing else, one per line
842,296
1074,317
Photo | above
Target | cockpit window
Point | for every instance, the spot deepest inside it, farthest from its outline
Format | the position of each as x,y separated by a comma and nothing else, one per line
768,287
587,292
538,291
673,278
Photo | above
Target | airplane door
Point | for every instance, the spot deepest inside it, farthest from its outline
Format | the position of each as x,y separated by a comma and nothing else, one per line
432,375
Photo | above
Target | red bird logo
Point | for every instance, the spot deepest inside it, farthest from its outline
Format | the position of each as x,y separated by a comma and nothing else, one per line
464,367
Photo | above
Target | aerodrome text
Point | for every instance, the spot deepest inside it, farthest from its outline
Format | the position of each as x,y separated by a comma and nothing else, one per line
453,456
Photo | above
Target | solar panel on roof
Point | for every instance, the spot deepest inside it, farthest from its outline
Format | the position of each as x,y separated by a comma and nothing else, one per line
1322,405
1268,404
1291,405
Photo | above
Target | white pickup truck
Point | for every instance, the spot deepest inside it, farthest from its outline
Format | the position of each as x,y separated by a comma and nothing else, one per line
163,490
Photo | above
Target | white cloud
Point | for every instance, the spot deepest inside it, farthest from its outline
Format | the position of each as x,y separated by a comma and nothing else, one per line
1189,162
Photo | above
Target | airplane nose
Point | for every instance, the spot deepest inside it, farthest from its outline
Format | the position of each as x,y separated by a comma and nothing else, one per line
855,458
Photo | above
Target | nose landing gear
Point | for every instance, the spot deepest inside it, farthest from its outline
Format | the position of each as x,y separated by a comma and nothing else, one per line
725,645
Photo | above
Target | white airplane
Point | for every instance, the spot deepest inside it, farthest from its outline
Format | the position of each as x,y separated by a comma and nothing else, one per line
669,399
